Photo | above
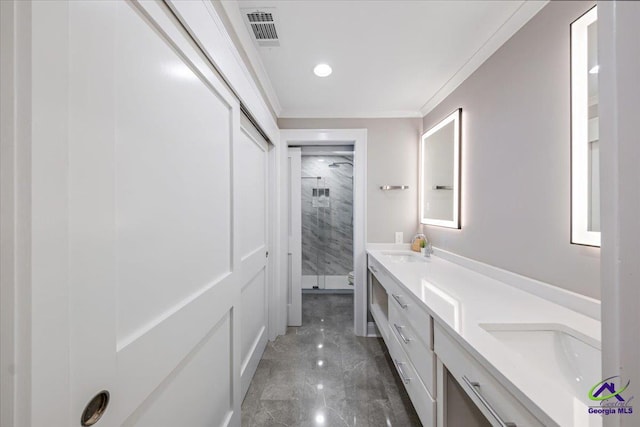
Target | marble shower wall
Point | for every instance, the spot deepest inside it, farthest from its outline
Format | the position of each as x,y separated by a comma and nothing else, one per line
327,232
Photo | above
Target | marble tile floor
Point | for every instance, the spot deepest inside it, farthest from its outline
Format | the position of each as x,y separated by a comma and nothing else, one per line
321,374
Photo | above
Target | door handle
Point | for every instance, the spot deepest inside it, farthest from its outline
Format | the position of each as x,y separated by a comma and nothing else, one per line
95,409
474,386
405,378
397,298
399,329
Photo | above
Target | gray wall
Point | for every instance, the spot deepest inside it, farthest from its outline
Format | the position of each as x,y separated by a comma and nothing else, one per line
327,227
392,158
516,158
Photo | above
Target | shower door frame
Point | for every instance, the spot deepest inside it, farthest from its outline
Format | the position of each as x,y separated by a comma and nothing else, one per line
332,137
322,213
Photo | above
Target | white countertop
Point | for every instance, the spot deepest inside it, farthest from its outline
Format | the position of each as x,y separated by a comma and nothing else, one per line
461,299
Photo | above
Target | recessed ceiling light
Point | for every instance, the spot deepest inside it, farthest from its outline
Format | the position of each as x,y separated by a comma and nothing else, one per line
594,70
322,70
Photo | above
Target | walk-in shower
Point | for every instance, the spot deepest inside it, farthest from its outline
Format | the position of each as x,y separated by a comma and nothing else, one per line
327,221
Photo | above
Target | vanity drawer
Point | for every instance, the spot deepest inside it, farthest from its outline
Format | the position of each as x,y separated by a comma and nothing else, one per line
421,356
422,401
383,277
499,404
410,309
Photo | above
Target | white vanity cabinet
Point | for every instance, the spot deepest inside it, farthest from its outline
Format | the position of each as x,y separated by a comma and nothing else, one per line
448,386
496,403
407,330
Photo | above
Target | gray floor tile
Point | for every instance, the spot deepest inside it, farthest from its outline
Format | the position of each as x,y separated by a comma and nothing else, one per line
320,374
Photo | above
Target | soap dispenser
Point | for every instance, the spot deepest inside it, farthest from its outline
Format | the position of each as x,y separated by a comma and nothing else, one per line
416,242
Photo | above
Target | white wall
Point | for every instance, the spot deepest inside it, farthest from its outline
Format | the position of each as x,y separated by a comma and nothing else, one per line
516,158
392,159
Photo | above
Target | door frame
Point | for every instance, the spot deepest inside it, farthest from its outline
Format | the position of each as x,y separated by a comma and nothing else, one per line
294,291
328,137
620,204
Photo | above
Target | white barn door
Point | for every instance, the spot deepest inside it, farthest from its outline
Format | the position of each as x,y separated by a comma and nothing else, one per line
252,178
148,229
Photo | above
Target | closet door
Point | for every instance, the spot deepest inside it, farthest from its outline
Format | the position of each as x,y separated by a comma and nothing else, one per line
252,179
140,249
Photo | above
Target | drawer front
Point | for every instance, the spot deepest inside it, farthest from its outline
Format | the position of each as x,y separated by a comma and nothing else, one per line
422,401
480,385
420,355
383,277
409,308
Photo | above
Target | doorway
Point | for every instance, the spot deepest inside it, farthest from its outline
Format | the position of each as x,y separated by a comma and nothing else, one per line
326,217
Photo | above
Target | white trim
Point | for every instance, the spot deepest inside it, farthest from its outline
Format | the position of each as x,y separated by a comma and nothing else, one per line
620,204
573,301
357,137
580,233
321,114
278,295
294,251
372,330
205,26
526,11
250,365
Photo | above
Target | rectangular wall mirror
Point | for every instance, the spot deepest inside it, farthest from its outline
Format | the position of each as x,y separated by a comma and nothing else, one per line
585,144
440,173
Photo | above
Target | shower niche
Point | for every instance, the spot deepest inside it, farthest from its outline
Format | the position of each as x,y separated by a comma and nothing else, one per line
327,220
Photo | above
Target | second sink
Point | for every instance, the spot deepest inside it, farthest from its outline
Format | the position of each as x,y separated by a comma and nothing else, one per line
557,351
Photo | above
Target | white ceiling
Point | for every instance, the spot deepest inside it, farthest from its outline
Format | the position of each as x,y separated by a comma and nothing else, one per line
389,58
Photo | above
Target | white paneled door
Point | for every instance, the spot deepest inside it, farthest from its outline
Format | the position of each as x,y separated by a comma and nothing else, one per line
251,177
149,222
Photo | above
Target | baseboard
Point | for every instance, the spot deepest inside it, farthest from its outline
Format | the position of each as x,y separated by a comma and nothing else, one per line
249,366
372,330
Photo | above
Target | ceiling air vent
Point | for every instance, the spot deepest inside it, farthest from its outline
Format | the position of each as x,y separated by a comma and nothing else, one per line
262,24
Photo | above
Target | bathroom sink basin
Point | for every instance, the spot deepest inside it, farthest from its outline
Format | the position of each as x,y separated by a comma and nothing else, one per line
404,256
559,352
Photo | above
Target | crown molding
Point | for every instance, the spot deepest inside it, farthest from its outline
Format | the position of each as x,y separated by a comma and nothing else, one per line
286,114
527,10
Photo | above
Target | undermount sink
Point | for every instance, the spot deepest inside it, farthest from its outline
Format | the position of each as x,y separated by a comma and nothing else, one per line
404,256
559,352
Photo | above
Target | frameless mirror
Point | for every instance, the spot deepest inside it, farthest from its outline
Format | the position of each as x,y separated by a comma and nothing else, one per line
440,173
585,144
